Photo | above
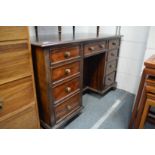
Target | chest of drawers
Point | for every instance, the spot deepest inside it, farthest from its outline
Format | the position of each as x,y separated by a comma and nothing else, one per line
18,104
64,69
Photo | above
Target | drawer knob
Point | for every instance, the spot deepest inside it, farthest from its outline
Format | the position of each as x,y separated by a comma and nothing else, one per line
67,71
69,107
113,43
91,48
102,46
67,54
1,104
68,89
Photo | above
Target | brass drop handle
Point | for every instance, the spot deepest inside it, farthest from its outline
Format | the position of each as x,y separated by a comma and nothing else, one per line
67,54
69,107
68,89
1,104
111,66
102,45
67,71
91,48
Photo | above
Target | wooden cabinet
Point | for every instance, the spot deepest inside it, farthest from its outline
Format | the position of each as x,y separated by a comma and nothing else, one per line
18,104
64,69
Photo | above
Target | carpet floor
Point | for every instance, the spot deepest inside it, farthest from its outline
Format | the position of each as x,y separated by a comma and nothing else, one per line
111,111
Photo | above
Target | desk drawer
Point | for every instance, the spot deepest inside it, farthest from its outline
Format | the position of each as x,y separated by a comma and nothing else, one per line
65,89
64,71
110,79
94,47
25,119
8,33
15,95
113,44
67,107
62,54
14,61
111,66
112,55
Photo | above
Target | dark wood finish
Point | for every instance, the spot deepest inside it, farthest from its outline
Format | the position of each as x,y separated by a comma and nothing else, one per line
111,67
65,71
66,67
94,47
65,89
64,54
112,55
109,79
69,106
18,104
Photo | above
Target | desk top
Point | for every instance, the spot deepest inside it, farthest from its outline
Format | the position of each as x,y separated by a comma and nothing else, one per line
51,40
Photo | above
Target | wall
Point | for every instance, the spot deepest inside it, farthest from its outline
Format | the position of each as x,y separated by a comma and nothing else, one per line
132,50
150,48
132,53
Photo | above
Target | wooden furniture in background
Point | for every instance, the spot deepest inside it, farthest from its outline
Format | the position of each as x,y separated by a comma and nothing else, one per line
18,104
141,98
66,68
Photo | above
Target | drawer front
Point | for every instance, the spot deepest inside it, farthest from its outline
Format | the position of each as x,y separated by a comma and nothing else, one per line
67,107
25,119
15,95
65,71
112,55
62,54
66,89
111,66
110,79
94,47
14,61
113,44
8,33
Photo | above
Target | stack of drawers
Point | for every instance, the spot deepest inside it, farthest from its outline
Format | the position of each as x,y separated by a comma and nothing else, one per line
111,62
18,105
64,84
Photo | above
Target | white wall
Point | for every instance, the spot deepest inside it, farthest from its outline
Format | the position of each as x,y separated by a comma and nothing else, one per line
150,49
132,50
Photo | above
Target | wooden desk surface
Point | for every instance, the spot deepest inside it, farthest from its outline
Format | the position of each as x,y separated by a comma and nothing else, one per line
51,40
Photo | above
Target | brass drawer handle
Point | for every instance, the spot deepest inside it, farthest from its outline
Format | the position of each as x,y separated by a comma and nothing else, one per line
91,48
102,46
67,71
1,104
69,107
67,54
68,89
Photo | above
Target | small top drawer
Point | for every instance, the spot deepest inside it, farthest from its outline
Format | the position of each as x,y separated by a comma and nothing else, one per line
62,54
113,44
94,47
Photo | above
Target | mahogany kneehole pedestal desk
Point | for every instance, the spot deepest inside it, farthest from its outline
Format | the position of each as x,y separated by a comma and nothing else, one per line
66,67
